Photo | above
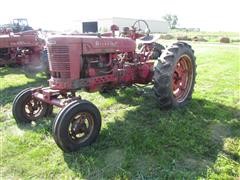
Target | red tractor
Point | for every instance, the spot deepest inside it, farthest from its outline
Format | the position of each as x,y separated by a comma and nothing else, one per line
96,63
21,48
20,44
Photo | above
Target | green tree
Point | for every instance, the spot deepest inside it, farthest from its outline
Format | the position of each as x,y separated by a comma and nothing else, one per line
171,19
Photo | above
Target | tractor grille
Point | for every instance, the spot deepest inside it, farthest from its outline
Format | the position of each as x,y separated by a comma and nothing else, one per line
59,61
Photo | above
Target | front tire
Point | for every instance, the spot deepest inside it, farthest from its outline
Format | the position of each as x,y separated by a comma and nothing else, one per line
26,108
77,125
174,76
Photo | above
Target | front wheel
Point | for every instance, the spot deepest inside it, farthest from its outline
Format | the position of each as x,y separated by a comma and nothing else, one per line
26,108
77,125
174,76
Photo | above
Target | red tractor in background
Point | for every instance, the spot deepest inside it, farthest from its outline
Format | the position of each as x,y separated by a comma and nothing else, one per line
20,44
96,63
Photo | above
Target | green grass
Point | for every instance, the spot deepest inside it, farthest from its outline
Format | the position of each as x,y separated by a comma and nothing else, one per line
137,140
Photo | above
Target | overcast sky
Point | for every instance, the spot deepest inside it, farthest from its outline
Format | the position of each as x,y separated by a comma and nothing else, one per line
210,15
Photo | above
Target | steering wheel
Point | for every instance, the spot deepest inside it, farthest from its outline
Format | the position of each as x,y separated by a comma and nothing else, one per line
138,28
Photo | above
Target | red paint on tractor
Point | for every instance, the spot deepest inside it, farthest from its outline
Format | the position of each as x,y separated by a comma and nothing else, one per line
102,57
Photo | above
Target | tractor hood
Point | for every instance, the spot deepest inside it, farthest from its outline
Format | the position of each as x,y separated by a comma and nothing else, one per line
94,44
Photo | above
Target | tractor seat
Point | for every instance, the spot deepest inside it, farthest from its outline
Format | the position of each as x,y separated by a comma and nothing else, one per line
149,39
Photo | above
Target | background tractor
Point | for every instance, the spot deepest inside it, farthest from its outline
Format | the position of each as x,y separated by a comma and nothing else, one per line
20,25
17,25
22,48
20,44
96,63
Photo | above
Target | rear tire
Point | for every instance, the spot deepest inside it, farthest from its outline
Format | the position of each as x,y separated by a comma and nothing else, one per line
157,50
77,125
174,76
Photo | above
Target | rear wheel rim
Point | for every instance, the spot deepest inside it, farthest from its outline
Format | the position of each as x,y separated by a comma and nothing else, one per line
81,127
182,78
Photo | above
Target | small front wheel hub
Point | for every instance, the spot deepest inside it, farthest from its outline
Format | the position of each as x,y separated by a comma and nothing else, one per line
81,126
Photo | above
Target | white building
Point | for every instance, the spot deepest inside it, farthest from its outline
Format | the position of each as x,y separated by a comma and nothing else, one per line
103,25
